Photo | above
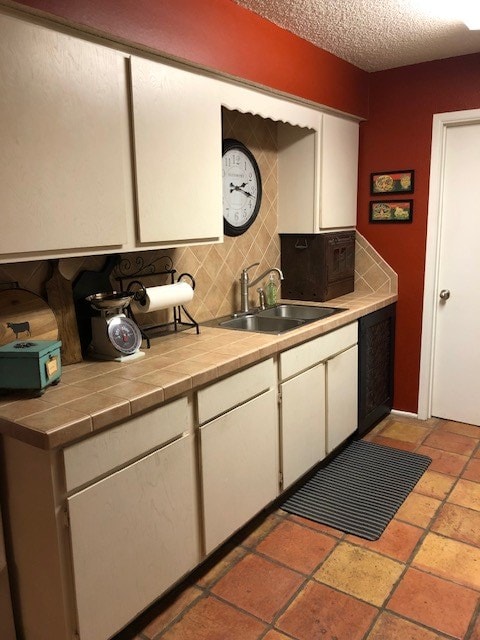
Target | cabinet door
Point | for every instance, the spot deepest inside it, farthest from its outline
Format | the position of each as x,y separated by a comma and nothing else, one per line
239,457
178,151
64,126
302,423
339,173
342,393
133,535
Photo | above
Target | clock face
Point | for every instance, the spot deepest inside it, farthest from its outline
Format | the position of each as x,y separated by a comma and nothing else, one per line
242,187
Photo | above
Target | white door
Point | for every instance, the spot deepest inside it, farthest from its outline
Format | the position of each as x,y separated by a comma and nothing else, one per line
456,350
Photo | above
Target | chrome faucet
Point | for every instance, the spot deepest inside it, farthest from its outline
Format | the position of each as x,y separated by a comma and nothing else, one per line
245,284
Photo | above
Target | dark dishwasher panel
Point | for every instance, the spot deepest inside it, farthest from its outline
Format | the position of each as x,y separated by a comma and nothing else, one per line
317,267
376,343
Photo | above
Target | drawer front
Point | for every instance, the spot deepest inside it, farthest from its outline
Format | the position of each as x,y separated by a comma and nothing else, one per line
240,387
113,448
317,350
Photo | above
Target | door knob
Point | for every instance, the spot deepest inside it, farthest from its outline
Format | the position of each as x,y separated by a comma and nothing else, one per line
444,294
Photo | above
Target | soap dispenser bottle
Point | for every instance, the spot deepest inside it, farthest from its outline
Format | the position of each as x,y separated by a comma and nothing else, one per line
271,291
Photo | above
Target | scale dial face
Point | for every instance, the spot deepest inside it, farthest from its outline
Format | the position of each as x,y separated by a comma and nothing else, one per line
124,335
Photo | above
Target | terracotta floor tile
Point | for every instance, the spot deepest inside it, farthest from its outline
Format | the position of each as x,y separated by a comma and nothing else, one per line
170,609
389,627
210,619
397,541
275,635
323,528
395,444
444,461
221,566
258,586
472,471
461,428
454,442
418,509
449,559
261,531
466,494
321,612
360,572
459,523
299,548
405,432
434,485
442,605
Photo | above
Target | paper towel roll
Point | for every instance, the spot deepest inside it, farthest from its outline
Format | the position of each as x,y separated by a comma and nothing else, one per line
169,295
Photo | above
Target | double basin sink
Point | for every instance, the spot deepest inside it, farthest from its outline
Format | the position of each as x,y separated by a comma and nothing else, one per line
278,319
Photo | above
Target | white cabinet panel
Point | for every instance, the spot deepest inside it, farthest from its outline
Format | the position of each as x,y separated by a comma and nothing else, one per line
342,390
64,126
102,453
297,186
178,151
239,465
317,175
338,173
309,353
133,535
237,388
302,423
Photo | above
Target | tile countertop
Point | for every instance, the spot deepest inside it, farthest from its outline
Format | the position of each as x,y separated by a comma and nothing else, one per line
94,395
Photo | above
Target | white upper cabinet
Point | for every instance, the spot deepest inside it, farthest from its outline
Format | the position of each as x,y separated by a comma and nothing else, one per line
178,151
338,173
317,175
64,129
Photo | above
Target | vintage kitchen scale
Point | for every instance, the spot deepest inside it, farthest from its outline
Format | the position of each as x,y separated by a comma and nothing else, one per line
114,336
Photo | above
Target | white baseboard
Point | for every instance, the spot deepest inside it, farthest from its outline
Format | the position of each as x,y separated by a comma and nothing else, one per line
405,414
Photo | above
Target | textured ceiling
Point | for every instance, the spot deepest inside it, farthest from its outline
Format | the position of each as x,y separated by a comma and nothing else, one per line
371,34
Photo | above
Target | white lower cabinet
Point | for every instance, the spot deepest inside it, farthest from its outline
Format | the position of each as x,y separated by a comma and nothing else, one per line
238,450
302,423
318,387
149,498
239,466
133,535
342,390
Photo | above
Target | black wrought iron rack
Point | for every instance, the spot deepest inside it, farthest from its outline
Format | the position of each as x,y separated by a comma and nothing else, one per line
135,282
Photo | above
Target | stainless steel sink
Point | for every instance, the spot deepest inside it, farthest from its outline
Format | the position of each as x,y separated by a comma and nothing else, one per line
262,324
275,320
299,312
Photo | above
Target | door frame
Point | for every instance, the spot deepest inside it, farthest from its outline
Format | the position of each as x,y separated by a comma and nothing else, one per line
441,123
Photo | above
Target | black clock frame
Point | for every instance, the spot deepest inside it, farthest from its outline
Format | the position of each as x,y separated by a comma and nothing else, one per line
228,145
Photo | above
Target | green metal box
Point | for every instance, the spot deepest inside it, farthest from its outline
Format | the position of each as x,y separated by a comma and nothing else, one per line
30,365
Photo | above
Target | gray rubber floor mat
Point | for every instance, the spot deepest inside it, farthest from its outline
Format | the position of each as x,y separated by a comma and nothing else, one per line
360,490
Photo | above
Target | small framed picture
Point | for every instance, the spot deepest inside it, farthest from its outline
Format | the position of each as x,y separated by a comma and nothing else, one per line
400,181
391,210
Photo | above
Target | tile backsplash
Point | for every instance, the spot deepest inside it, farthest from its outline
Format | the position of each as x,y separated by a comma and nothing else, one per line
216,268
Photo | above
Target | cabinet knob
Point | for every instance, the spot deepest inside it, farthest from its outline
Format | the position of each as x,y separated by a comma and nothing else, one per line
444,294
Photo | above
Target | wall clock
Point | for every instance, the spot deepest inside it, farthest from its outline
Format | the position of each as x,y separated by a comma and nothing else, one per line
242,187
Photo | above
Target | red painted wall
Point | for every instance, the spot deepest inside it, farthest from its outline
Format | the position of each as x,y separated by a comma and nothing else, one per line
221,35
398,135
